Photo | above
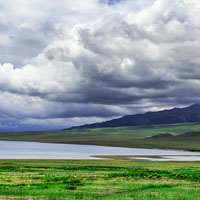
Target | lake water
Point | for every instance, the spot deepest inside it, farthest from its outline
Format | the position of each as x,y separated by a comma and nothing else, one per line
35,150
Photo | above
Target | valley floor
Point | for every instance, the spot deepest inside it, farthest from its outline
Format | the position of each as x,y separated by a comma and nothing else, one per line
60,179
174,136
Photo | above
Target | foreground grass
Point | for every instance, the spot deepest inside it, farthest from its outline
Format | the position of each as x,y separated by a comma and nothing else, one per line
137,136
99,180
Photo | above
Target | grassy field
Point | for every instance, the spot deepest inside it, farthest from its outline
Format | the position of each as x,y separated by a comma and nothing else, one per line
20,179
119,136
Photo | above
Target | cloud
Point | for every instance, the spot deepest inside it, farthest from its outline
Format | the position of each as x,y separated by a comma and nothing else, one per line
97,59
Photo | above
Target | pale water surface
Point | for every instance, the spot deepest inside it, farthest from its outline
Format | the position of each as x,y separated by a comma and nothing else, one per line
36,150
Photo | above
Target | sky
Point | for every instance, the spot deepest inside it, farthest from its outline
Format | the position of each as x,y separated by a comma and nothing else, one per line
66,63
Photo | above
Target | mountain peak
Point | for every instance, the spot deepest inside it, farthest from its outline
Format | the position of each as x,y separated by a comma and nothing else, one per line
196,105
189,114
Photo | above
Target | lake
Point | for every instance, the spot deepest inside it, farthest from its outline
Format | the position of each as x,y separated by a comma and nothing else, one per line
36,150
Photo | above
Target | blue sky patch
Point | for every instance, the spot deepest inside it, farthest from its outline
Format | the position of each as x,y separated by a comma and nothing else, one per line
110,2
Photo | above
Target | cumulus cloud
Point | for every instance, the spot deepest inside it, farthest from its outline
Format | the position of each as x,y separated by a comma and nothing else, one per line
97,59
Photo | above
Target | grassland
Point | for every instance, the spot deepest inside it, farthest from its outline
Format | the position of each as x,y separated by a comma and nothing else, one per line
20,179
105,179
139,136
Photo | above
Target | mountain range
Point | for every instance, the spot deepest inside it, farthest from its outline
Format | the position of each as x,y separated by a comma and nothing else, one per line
176,115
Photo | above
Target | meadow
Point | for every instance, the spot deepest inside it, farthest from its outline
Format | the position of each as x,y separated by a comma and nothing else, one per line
135,136
105,179
60,179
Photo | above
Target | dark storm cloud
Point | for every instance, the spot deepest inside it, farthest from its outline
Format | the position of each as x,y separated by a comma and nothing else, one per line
97,93
117,81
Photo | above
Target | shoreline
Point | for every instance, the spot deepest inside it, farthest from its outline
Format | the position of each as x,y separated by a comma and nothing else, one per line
22,150
150,148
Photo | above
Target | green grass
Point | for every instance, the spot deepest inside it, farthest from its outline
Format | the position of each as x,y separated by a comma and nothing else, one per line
45,179
118,136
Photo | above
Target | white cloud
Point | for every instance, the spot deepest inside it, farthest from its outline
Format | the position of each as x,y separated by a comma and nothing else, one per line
88,59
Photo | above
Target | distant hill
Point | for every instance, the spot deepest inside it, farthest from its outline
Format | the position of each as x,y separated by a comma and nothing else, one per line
187,135
194,134
176,115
